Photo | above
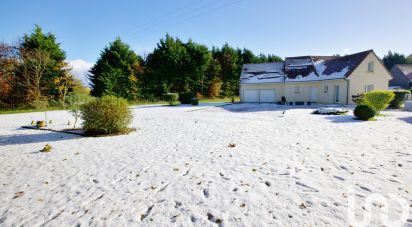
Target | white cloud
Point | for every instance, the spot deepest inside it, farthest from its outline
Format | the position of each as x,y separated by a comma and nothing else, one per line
80,68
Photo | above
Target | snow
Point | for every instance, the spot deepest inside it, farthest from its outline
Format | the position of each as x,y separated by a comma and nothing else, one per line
288,168
408,106
263,78
320,68
331,110
263,73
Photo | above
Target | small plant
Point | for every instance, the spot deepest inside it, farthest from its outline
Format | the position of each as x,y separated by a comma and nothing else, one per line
32,122
195,101
233,99
74,101
46,148
50,122
358,99
378,100
364,112
400,98
75,112
106,115
232,145
171,98
40,124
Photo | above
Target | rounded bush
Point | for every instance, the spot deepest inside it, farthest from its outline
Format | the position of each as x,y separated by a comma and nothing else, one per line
186,98
195,101
364,112
378,100
400,97
171,98
106,115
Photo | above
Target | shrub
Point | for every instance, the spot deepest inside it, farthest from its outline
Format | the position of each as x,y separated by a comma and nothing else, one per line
39,104
400,97
46,148
77,99
171,98
378,100
214,88
195,101
364,112
40,124
106,115
186,98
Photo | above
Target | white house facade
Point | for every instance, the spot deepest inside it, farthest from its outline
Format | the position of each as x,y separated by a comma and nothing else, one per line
314,79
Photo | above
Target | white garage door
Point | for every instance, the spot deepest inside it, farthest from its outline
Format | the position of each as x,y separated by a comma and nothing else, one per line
250,95
267,95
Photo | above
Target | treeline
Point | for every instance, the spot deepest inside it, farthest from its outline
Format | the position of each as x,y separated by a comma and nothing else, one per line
34,73
173,66
393,58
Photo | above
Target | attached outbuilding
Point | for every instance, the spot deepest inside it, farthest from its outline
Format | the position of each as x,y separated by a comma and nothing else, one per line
402,76
314,79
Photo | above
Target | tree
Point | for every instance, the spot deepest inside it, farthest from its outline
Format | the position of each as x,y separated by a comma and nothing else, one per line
391,59
64,85
33,67
8,62
117,72
409,59
175,66
39,42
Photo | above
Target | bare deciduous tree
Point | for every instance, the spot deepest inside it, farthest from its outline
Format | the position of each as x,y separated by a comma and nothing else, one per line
33,65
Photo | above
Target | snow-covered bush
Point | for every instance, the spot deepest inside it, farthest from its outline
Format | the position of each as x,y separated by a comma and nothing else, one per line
378,100
400,97
106,115
331,111
364,112
171,98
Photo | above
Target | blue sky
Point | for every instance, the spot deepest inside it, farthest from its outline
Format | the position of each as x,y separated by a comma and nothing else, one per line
284,28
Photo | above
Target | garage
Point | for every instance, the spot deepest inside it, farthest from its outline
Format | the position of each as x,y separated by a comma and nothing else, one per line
251,95
259,95
267,95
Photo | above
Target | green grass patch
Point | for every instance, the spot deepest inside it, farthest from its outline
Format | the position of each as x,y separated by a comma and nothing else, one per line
28,110
224,99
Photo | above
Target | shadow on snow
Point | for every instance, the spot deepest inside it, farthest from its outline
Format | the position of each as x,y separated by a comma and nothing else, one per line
35,138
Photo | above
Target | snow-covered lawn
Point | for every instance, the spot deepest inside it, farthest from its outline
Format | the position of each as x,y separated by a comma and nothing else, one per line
288,168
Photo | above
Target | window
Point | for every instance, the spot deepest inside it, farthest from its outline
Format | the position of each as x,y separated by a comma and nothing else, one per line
325,89
297,89
370,66
368,87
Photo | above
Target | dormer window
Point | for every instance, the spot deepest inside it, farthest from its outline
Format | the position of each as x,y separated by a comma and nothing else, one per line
370,66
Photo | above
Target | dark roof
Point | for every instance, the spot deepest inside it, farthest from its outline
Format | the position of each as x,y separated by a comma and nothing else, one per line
305,65
306,68
406,70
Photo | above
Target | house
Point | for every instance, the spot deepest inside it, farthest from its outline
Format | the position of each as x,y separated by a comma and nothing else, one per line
402,76
314,79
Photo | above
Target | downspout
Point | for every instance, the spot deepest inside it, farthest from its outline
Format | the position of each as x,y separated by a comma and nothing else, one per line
347,90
